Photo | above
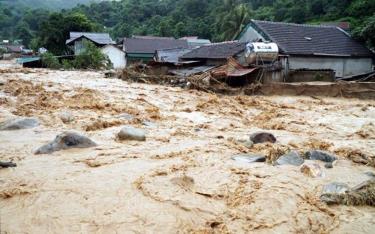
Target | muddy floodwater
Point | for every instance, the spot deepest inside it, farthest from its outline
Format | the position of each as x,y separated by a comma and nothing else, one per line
182,179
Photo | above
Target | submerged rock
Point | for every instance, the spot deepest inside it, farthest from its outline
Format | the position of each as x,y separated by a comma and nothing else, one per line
312,170
338,193
17,124
242,141
370,174
132,134
66,117
66,140
249,158
7,164
262,137
292,158
320,155
328,165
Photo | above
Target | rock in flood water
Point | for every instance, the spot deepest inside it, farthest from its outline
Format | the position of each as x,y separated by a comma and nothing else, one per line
17,124
338,193
66,140
292,158
131,134
320,155
249,158
262,137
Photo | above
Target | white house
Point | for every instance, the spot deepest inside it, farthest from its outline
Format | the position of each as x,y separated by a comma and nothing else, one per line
115,55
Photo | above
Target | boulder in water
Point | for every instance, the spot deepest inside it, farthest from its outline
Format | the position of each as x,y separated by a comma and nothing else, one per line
17,124
292,158
262,137
320,155
131,134
249,158
66,140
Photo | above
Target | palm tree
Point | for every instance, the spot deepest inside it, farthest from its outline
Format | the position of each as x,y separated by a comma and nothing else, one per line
234,22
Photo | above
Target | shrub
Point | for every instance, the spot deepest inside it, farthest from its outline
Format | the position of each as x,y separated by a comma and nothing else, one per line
90,58
50,61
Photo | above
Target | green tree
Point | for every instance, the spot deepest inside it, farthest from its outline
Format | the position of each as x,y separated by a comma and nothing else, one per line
55,31
90,58
234,22
22,32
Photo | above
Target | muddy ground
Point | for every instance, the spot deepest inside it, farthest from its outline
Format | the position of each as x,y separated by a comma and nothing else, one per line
182,178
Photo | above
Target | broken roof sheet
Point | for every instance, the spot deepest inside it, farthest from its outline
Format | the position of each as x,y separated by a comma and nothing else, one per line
302,39
216,51
98,38
149,45
170,55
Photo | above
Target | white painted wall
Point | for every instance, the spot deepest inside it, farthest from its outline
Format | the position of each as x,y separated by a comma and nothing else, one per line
116,55
342,66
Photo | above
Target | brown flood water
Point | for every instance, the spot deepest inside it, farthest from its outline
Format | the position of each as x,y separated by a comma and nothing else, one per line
182,179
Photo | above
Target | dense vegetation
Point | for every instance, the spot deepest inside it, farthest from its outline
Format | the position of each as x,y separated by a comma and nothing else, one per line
49,4
214,19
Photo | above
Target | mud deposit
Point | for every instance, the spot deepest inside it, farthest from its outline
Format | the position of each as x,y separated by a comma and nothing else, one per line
182,178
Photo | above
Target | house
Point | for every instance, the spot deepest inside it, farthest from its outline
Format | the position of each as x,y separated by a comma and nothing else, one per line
115,55
217,53
309,47
99,39
142,49
195,42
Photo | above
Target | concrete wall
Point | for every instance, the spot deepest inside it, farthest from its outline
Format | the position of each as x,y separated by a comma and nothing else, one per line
116,56
342,66
250,35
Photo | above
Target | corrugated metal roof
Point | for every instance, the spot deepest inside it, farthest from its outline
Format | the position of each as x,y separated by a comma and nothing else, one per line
98,38
170,55
302,39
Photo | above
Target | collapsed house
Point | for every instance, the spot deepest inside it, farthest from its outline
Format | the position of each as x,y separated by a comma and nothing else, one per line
101,40
309,52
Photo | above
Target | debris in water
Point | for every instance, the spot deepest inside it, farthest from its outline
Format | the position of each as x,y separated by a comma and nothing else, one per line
7,164
312,170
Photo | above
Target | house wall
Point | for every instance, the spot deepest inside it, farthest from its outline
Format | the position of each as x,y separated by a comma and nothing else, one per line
250,35
342,66
116,56
78,47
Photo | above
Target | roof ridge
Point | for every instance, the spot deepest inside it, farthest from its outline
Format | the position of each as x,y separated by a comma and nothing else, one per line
295,24
91,32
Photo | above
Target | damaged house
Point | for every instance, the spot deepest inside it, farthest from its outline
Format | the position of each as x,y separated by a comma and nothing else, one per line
307,50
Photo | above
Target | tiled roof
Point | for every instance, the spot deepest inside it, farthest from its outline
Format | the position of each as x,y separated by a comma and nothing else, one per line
302,39
99,38
150,45
216,51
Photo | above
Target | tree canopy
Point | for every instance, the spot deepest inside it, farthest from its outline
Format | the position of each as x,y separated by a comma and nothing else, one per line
212,19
